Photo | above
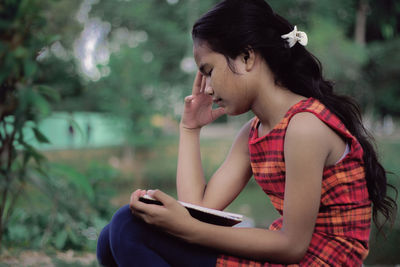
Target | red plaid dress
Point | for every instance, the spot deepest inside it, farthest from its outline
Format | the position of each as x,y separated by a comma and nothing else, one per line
342,228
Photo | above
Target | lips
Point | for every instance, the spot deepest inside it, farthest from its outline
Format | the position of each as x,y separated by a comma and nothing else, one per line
216,100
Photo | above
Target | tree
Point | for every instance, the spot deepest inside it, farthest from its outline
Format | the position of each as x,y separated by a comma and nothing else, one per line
147,42
24,96
382,68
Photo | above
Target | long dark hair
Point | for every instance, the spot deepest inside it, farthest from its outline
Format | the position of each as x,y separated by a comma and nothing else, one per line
233,27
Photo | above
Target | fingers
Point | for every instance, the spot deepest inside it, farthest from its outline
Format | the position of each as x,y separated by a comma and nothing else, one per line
197,83
218,112
203,84
189,98
160,196
134,199
150,213
138,193
137,206
188,101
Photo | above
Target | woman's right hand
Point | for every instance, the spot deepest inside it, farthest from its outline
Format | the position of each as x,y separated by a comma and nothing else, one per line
198,106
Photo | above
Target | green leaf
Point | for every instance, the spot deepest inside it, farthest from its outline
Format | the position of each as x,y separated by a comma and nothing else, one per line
41,104
61,239
49,92
73,237
18,232
42,172
20,52
54,38
30,68
10,65
76,178
32,152
26,157
24,96
40,137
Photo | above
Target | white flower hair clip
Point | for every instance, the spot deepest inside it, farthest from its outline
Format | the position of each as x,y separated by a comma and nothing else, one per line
296,36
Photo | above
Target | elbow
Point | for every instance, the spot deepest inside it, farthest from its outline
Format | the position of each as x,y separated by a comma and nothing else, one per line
296,255
295,252
292,249
284,249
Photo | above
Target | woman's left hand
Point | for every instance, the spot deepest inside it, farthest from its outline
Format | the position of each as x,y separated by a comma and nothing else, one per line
172,217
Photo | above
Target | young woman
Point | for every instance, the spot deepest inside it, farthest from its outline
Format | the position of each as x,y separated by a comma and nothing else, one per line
306,148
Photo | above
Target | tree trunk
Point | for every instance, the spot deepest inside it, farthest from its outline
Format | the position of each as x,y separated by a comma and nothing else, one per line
361,22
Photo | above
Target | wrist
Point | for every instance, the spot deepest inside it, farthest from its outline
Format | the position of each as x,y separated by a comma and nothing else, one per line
190,234
186,128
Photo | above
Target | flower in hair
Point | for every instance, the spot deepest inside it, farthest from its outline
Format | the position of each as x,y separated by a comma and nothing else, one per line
296,36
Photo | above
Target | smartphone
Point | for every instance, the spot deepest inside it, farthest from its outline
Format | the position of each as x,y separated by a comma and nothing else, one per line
149,200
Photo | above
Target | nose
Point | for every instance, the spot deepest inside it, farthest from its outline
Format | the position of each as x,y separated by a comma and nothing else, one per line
208,90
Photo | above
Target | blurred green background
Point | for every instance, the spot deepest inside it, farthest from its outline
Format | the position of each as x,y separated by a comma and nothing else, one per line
91,93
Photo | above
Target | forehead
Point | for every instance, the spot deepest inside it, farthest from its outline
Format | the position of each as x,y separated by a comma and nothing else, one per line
201,51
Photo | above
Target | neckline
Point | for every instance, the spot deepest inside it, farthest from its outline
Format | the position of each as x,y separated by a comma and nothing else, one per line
255,138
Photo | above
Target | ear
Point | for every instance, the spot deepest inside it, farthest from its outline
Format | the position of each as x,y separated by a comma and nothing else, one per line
249,59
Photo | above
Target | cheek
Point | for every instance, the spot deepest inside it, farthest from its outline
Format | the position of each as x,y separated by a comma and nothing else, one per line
226,79
216,81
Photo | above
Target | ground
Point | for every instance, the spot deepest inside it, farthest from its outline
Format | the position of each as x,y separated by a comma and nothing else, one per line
37,258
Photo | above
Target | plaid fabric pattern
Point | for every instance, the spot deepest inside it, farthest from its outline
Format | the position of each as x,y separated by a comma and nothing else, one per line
342,228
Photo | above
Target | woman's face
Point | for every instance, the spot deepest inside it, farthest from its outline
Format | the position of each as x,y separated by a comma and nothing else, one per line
228,90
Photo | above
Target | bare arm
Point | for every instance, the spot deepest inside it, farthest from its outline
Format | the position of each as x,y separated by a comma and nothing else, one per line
225,184
190,181
233,174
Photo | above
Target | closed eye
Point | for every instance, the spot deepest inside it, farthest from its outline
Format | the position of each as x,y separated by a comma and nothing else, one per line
203,68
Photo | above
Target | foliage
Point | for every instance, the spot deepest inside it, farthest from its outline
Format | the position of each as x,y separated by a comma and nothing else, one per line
382,73
23,100
344,63
160,171
366,72
148,40
64,210
383,20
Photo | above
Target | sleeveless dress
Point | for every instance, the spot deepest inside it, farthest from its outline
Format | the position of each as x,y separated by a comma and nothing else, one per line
343,223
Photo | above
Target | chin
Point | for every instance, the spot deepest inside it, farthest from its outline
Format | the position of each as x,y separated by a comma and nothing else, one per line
234,112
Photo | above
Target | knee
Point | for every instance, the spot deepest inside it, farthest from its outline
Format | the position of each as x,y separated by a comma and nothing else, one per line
113,236
124,225
123,214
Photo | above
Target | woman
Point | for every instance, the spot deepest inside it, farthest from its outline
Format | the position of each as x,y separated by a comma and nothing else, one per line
306,148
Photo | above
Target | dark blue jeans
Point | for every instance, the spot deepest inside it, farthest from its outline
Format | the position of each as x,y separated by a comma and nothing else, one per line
128,241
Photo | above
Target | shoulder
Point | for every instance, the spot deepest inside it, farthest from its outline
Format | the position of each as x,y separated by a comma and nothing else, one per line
242,138
307,124
244,131
308,134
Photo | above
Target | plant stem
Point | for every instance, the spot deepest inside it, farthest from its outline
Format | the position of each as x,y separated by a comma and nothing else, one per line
14,198
7,173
